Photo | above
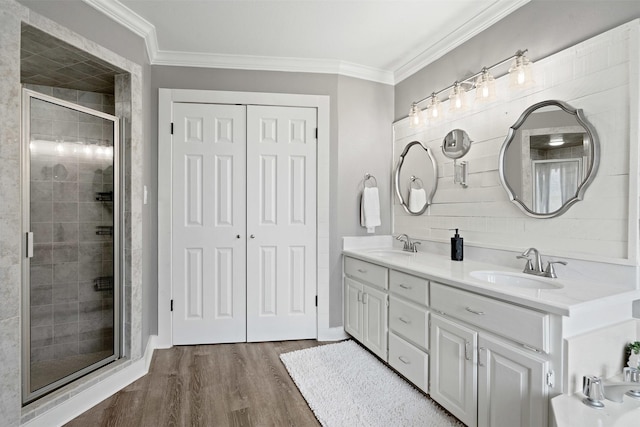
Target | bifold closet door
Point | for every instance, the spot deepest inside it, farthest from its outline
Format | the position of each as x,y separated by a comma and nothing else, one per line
209,223
281,223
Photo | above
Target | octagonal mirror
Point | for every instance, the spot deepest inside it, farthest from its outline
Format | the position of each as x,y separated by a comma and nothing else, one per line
416,178
549,158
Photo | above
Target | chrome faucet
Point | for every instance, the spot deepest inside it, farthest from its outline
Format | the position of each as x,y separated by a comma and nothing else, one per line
596,390
408,246
630,386
532,268
535,266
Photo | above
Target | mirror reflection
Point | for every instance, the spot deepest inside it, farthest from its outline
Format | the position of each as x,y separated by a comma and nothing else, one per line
456,144
548,159
416,178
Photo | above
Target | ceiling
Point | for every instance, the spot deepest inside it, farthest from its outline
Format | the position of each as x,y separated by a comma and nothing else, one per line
378,40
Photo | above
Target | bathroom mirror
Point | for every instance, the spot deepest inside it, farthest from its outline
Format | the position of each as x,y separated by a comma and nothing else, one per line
456,144
549,158
416,178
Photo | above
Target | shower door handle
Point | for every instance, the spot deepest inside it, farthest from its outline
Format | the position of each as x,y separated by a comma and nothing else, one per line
30,244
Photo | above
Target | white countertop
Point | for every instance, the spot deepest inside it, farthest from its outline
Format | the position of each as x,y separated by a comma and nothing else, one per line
569,411
573,296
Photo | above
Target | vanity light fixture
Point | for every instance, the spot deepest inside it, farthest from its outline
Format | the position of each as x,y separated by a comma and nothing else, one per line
483,82
416,118
434,109
520,71
457,101
485,86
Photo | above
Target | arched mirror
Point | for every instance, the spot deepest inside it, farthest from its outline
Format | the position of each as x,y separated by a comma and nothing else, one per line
416,178
549,158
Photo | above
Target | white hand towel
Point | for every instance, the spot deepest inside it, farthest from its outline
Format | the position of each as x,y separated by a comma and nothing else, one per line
417,199
370,209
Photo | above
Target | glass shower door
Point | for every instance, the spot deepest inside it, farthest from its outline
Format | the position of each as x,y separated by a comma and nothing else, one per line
70,274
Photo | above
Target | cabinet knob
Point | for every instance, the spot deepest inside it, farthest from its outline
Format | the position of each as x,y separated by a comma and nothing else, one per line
466,350
253,236
237,236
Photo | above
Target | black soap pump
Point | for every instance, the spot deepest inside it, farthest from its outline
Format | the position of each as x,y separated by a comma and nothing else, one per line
456,247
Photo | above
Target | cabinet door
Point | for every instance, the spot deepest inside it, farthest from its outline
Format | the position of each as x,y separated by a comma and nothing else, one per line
374,331
453,370
353,308
511,386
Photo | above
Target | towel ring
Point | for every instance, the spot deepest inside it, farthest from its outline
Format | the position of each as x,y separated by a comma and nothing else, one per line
415,181
367,177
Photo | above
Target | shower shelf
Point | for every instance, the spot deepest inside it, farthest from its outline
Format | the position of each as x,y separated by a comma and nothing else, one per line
104,283
104,230
105,196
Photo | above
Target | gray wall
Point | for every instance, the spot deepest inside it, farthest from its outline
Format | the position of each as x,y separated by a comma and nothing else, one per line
544,27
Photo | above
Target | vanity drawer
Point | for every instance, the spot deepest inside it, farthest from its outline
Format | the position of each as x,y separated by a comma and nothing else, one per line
366,272
520,324
411,287
410,361
409,320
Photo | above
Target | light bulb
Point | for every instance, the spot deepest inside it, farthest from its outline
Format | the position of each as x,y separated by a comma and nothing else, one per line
456,98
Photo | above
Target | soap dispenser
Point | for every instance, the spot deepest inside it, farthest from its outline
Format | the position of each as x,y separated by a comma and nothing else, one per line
456,247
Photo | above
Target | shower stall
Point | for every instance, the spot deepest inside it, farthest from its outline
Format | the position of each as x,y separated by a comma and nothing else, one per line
71,223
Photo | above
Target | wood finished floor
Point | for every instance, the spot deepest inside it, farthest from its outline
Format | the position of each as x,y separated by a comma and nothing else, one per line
209,385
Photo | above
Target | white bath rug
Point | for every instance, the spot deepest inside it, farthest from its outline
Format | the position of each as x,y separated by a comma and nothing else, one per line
345,385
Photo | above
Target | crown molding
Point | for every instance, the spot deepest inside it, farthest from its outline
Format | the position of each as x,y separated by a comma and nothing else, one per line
263,63
494,13
130,20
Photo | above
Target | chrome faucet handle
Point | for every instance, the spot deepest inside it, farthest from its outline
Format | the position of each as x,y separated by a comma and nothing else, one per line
550,271
529,267
413,246
537,260
593,390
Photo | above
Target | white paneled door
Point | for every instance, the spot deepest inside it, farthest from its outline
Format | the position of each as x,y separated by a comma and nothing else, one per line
243,223
281,223
209,223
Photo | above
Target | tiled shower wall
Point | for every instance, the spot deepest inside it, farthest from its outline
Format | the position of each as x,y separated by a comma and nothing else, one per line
68,315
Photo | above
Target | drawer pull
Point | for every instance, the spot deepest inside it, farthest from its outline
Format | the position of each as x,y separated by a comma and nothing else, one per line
404,360
362,270
359,296
403,320
466,351
403,286
365,297
470,310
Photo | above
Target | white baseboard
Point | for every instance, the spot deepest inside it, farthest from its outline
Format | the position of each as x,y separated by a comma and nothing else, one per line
88,398
332,334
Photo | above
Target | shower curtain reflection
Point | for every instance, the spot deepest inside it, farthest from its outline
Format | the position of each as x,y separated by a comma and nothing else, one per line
71,284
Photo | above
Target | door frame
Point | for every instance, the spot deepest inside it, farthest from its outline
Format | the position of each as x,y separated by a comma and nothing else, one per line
166,98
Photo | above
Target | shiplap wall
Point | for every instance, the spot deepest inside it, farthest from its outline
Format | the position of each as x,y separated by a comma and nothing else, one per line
599,76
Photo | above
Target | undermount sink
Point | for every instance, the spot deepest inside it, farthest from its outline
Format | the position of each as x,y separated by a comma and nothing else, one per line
390,253
515,280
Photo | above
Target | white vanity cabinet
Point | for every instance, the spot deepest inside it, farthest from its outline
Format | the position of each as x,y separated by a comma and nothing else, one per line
408,327
481,368
365,304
